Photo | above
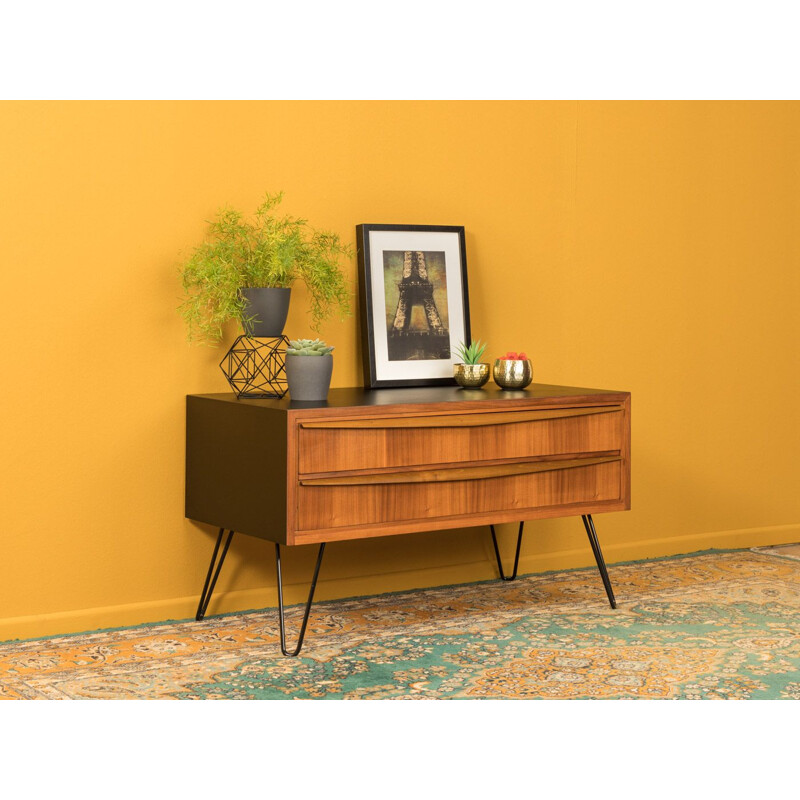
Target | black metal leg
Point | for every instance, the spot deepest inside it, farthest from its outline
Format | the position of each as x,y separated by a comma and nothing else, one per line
588,523
209,590
516,558
308,604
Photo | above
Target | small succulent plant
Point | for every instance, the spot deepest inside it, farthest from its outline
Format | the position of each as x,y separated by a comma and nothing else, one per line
308,347
512,356
471,353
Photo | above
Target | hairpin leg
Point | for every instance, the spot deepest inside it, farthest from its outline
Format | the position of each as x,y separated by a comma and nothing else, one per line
588,523
308,604
516,558
209,590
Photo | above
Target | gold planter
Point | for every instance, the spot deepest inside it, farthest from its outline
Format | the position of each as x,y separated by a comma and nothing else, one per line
512,373
471,376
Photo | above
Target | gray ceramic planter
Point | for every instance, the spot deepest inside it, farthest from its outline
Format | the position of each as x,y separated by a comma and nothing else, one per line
270,308
309,377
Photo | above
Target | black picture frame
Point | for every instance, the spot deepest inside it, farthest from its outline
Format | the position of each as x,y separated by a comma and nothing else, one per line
381,368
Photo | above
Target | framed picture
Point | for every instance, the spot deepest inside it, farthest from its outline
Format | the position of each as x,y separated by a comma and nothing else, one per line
414,303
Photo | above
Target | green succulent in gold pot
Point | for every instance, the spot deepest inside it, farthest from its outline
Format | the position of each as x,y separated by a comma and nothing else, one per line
471,373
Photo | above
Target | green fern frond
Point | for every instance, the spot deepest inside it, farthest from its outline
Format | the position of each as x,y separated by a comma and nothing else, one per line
266,251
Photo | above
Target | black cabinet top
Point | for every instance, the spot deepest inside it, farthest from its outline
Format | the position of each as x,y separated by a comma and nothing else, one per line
358,396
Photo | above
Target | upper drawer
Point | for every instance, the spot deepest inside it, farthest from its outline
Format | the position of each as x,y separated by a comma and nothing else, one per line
377,443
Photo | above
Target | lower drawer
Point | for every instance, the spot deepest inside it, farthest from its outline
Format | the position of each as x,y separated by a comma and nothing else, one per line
334,506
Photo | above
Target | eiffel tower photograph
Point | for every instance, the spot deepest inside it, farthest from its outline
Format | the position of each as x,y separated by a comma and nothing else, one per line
416,305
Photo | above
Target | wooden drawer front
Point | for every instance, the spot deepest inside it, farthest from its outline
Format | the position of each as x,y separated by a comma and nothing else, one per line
555,483
368,444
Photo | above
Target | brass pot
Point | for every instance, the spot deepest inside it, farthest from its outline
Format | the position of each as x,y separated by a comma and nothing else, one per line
471,376
512,373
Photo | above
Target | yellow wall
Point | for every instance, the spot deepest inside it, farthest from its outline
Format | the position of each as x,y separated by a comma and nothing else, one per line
651,247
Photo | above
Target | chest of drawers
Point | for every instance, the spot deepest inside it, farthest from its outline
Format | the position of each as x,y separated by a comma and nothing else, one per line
392,461
396,461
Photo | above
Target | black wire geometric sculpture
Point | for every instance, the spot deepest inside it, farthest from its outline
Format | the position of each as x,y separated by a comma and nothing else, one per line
256,366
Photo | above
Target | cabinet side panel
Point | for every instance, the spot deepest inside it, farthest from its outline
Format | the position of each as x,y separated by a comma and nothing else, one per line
625,452
236,467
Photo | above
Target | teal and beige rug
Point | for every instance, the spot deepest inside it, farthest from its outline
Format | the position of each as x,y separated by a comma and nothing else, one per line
707,626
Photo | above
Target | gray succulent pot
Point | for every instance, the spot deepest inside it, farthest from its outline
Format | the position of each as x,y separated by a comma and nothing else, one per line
309,377
270,308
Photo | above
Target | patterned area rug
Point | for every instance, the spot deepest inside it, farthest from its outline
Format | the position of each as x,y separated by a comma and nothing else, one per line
711,625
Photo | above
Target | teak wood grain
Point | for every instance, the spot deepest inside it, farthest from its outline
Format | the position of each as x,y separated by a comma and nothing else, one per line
458,420
460,473
341,506
331,449
374,463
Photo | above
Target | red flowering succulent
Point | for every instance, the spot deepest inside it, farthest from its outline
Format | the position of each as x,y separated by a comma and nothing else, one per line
512,356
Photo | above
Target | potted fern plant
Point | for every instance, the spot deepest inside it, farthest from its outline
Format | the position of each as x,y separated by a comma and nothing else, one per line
309,366
471,373
246,267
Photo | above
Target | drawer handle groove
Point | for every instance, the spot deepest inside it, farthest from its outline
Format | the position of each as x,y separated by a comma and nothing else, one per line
456,473
461,420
